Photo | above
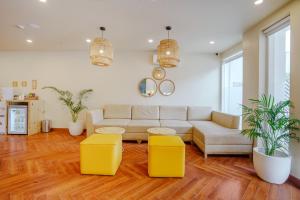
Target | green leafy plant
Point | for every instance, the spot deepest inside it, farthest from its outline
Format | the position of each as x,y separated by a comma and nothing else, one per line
74,106
270,122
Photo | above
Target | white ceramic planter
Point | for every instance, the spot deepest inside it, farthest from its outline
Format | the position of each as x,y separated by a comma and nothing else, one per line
76,128
273,169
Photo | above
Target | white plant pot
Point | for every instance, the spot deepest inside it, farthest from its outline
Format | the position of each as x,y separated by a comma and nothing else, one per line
76,128
273,169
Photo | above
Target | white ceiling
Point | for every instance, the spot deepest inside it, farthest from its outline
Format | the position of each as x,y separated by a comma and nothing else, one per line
65,24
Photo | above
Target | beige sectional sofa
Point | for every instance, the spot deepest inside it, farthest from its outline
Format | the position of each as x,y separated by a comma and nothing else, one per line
213,132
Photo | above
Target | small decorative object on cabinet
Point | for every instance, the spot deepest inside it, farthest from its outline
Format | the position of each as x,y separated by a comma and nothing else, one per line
75,126
167,87
101,51
31,96
168,51
147,87
272,124
159,73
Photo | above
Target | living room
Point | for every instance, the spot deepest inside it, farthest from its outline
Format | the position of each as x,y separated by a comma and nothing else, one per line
150,74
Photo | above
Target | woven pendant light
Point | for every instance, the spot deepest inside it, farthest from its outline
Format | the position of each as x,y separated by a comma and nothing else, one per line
101,51
168,52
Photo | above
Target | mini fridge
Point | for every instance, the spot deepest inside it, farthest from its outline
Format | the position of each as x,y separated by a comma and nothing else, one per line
17,118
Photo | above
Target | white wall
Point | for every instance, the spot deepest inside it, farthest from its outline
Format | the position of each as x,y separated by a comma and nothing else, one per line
197,79
254,43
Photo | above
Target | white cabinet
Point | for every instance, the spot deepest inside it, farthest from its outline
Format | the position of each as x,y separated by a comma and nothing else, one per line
2,117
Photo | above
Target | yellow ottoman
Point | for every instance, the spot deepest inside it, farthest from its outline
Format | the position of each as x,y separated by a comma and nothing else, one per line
101,154
166,156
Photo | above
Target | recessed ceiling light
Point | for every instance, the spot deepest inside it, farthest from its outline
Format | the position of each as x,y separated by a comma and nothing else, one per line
88,40
257,2
29,41
150,40
44,1
21,27
212,42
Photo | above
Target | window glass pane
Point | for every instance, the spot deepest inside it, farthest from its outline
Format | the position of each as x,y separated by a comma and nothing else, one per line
232,93
279,64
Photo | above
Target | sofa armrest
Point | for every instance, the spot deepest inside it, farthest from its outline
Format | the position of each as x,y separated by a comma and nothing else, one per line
226,120
93,117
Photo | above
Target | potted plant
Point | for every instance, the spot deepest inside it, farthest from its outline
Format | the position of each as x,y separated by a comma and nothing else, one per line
271,123
75,126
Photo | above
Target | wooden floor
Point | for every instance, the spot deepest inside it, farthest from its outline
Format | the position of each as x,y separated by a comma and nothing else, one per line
46,166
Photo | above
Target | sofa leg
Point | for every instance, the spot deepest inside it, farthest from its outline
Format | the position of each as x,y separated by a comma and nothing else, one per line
251,156
139,141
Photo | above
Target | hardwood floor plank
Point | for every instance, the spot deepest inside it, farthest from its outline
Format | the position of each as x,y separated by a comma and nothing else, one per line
46,166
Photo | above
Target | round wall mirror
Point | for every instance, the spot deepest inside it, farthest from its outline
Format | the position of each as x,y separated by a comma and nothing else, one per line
159,73
147,87
167,87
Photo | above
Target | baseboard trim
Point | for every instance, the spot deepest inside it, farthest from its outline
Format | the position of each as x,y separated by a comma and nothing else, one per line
60,129
295,181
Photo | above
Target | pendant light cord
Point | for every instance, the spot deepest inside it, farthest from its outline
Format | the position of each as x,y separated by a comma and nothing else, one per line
168,39
102,29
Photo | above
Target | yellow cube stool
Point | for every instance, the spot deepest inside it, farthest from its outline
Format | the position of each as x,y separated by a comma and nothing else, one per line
101,154
166,156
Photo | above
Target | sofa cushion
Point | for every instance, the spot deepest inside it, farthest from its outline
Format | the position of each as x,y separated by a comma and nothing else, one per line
199,113
180,126
145,112
226,120
117,112
213,134
173,112
141,126
113,122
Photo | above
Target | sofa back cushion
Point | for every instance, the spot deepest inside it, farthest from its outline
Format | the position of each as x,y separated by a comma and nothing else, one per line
145,112
196,113
173,112
117,112
226,120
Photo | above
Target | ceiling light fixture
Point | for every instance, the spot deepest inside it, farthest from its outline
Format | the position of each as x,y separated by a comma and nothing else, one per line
150,41
43,1
212,42
29,41
168,51
258,2
88,40
101,51
21,27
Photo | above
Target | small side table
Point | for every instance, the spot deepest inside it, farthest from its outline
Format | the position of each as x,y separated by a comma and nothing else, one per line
161,131
110,130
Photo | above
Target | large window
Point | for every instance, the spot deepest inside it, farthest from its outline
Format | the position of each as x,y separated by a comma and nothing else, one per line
232,84
278,51
279,63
